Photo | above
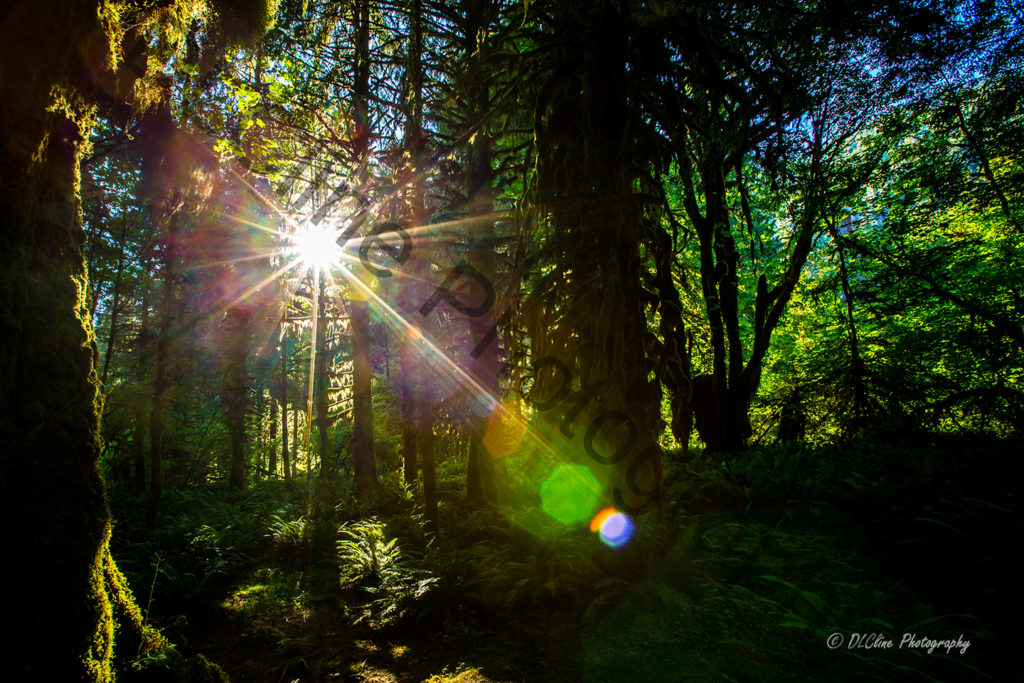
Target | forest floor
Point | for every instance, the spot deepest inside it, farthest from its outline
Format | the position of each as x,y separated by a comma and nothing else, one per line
312,638
749,570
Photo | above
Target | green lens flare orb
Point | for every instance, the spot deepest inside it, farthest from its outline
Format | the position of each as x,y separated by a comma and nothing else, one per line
570,493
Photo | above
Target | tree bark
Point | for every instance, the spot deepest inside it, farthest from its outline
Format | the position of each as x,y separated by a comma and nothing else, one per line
115,306
161,383
236,387
586,161
272,456
480,483
321,384
425,437
284,416
975,145
674,366
409,465
860,404
363,460
142,344
67,599
295,443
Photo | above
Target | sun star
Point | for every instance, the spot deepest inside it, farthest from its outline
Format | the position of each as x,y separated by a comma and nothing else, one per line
316,247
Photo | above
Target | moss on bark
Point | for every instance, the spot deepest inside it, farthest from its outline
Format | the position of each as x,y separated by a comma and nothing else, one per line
70,613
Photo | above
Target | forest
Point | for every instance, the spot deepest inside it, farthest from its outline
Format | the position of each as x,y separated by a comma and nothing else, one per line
487,341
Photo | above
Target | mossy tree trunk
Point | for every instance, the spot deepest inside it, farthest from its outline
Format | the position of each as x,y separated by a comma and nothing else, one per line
66,599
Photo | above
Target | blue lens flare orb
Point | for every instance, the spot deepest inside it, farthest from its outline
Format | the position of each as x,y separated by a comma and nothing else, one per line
614,528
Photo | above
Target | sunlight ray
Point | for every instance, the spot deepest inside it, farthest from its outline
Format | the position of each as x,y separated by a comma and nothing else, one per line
233,261
257,287
422,236
400,323
252,224
457,223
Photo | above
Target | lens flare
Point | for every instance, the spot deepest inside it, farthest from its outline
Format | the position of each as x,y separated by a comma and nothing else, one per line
616,528
595,524
317,247
504,433
570,493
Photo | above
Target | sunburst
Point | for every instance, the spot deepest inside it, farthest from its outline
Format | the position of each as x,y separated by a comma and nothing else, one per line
316,247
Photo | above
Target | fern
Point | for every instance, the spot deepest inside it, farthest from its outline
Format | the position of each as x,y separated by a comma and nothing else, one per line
368,558
287,532
364,554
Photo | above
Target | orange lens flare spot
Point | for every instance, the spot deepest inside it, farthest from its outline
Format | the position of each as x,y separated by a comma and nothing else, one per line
600,517
504,432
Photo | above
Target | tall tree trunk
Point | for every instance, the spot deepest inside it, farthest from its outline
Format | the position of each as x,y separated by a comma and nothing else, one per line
320,383
723,409
115,306
585,159
295,442
426,439
674,367
162,380
236,388
418,400
978,149
480,483
409,464
363,460
736,377
162,155
284,416
272,457
139,447
142,346
67,599
860,403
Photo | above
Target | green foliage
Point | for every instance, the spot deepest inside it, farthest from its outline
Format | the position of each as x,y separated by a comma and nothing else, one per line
910,314
204,540
903,325
514,559
363,553
290,532
170,666
397,586
463,676
267,596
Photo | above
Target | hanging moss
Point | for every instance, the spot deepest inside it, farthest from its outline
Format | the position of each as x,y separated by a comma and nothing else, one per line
243,22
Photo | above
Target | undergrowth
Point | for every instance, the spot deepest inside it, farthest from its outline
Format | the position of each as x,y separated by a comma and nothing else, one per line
752,563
